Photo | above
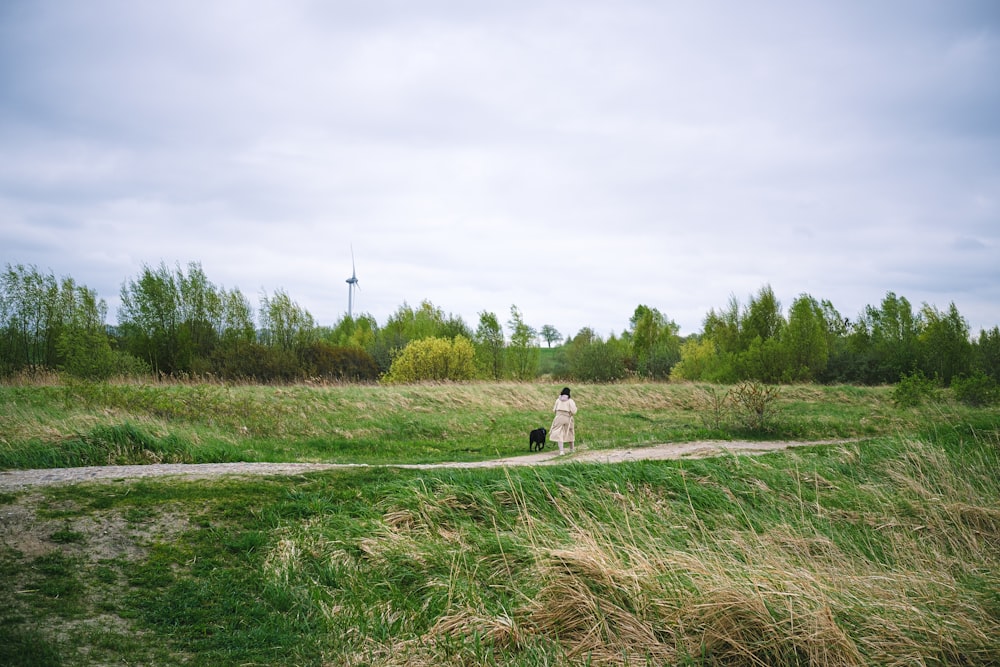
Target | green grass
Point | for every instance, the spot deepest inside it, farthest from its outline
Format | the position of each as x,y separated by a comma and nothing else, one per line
99,424
880,551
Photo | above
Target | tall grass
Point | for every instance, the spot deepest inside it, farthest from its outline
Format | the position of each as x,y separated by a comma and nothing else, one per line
679,569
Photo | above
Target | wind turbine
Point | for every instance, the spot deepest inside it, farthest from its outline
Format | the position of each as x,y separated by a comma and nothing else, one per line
352,283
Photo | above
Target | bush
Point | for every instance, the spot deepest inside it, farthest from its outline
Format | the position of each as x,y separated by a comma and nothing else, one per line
977,390
700,361
715,403
331,362
252,361
913,389
598,361
659,361
755,403
433,359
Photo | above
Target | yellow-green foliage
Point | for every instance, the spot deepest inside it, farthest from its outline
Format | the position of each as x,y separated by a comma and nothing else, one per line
698,357
433,359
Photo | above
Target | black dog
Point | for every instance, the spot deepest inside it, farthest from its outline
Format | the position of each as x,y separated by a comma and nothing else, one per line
536,440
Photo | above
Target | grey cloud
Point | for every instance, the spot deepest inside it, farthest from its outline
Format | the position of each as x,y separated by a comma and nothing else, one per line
675,153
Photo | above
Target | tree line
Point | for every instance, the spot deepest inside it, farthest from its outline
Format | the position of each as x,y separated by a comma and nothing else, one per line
176,322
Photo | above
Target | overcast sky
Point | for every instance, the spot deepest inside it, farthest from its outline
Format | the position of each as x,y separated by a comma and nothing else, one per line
572,158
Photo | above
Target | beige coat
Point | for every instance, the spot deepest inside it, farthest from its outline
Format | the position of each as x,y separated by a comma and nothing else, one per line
562,425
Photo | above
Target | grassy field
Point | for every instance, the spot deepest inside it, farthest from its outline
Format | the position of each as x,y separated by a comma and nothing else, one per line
93,424
881,551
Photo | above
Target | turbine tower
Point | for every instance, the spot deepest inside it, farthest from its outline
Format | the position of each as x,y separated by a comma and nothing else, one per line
352,283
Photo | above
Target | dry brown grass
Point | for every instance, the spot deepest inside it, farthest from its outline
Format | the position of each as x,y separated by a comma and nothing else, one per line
662,606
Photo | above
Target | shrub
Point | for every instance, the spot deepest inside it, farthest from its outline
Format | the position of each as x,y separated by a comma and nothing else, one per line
716,406
658,362
252,361
977,390
755,403
332,362
433,359
913,389
701,361
598,361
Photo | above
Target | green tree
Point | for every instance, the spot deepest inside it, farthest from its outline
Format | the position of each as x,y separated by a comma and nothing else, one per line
32,317
805,340
591,359
888,337
56,324
843,364
762,356
84,346
175,319
232,356
365,332
490,345
763,360
149,318
409,324
655,342
550,334
401,327
723,328
747,340
358,331
762,318
702,361
201,317
425,321
284,324
522,353
946,351
237,319
454,325
987,352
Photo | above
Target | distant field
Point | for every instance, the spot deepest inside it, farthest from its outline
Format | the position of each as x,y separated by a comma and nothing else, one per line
882,551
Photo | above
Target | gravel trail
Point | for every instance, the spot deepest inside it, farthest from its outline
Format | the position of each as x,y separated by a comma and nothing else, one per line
17,480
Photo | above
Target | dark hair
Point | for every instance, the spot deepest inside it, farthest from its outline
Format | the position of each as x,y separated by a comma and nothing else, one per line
564,392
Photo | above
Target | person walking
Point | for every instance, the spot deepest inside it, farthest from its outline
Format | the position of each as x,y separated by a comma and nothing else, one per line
562,426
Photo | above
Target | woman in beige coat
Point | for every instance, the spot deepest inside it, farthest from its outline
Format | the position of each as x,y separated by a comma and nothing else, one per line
562,425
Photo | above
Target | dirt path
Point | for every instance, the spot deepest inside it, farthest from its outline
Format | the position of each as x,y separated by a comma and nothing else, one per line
16,480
